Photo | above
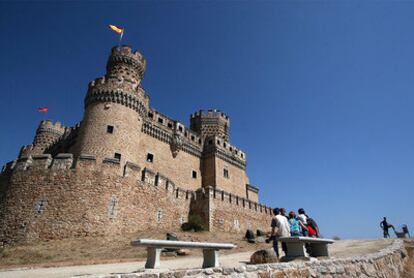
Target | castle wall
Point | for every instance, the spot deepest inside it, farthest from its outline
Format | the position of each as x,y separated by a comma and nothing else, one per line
94,138
236,180
231,213
178,169
43,198
49,203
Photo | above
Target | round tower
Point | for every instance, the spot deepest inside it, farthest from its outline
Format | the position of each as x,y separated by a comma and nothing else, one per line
46,134
210,123
115,106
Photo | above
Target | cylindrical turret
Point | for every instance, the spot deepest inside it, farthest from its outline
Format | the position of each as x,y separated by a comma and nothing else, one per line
210,123
115,106
46,134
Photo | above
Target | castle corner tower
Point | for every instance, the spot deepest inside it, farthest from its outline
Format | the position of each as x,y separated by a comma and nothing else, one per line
115,106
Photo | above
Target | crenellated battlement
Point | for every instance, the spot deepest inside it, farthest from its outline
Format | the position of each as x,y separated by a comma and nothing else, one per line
210,123
218,146
48,125
232,199
211,113
124,54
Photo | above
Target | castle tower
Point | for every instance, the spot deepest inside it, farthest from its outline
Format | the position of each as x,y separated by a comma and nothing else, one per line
46,134
210,123
115,106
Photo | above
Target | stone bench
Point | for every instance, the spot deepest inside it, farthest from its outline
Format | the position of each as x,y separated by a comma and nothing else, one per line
296,246
154,247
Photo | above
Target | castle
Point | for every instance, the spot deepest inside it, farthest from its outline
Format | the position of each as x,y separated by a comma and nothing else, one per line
126,168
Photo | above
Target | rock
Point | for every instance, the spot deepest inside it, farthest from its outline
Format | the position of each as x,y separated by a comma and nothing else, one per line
183,252
264,256
249,234
260,239
260,233
172,236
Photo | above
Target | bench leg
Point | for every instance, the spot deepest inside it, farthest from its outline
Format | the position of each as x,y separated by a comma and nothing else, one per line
319,250
296,249
211,258
153,257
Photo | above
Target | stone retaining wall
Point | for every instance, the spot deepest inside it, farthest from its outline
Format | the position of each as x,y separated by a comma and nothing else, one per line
387,263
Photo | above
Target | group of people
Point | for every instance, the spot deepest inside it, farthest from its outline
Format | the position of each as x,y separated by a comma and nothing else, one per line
291,225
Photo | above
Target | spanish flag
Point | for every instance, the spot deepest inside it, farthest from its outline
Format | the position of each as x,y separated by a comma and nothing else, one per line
116,29
43,109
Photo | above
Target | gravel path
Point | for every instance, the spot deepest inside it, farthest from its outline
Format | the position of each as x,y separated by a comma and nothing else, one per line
343,248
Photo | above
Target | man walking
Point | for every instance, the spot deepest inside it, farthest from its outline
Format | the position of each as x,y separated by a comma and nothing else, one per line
385,226
280,228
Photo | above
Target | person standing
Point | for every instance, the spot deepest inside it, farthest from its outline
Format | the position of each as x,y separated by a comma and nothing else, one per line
280,228
385,226
296,226
303,219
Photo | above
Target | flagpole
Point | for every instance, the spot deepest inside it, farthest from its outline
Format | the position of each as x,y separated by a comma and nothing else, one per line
120,38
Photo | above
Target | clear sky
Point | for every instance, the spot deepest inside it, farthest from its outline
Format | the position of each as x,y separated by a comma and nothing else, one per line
320,94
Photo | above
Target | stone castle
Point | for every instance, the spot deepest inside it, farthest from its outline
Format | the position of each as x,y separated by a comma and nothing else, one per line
126,168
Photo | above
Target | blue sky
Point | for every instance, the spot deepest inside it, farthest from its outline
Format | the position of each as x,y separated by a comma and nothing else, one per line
319,93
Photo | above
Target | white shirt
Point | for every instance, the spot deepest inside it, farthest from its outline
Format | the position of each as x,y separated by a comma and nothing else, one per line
282,224
303,218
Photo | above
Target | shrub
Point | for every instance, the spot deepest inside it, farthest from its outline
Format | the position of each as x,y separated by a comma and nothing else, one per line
195,223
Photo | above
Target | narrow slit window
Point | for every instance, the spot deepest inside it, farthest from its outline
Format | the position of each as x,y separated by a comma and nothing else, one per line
150,157
226,173
194,174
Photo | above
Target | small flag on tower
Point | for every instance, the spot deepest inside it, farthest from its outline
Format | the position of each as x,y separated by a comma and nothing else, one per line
43,109
117,29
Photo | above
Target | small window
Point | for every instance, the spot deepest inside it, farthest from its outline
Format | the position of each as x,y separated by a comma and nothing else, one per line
110,129
170,125
160,120
159,215
242,155
192,137
194,174
180,128
150,157
210,142
224,145
226,173
218,142
150,115
117,156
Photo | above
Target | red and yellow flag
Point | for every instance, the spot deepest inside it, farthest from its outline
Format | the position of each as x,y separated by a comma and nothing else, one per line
43,109
116,29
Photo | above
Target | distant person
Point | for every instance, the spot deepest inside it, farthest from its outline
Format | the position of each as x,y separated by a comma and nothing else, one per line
313,229
385,226
280,228
295,225
303,219
283,213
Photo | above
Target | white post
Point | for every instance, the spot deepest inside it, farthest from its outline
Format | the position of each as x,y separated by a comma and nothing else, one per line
211,258
153,257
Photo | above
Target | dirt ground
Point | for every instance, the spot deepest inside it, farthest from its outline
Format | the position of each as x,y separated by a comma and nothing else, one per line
105,250
117,250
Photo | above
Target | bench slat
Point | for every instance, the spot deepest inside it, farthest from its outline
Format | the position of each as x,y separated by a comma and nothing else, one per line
177,244
306,239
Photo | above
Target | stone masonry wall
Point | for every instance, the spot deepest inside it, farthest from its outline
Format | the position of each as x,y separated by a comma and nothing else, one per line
50,203
387,263
52,198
